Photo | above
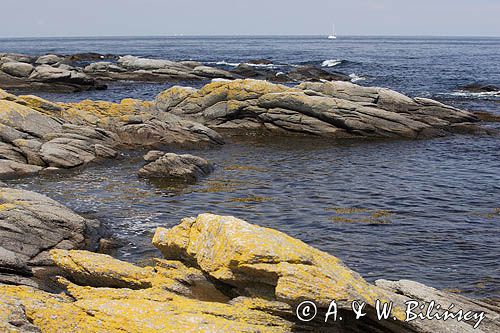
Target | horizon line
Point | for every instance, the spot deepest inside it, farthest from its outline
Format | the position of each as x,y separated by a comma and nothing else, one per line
244,35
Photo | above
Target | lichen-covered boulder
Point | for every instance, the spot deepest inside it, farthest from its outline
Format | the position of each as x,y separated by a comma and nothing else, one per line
251,257
174,167
155,301
266,263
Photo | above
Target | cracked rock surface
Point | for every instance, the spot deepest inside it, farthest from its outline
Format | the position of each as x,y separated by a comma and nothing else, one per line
329,109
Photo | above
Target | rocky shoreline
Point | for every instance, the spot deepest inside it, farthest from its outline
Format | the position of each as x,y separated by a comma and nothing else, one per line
91,71
217,274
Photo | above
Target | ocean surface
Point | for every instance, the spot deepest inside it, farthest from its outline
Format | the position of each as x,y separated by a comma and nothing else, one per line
421,210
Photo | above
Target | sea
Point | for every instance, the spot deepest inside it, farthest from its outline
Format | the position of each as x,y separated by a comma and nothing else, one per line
426,210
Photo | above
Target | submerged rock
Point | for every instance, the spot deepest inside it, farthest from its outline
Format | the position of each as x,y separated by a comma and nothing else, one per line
330,109
266,71
173,167
480,88
312,73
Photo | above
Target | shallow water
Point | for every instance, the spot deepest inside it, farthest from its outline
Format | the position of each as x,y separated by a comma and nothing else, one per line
422,210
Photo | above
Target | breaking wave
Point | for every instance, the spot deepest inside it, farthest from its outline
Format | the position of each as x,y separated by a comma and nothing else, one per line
236,64
331,63
356,78
469,94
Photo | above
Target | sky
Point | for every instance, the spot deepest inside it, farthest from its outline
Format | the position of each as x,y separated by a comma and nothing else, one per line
66,18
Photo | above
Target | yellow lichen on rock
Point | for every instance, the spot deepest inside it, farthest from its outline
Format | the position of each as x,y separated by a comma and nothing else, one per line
101,270
7,96
103,109
252,257
40,104
172,97
149,307
241,89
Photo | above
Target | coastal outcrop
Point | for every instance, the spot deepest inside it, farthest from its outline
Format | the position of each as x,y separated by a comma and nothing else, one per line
260,70
220,274
48,73
31,141
30,226
37,134
263,263
329,109
173,167
89,71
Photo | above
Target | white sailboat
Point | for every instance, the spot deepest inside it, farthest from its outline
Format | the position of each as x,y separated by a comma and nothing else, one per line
333,35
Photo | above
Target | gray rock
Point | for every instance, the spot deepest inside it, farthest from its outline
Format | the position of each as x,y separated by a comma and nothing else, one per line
173,167
480,88
15,318
48,73
9,169
19,69
32,224
31,140
136,63
153,155
312,73
190,64
211,72
18,57
331,109
103,66
172,97
24,119
415,291
49,59
11,263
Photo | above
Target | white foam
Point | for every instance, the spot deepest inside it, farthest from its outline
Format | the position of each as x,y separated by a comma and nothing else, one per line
262,65
236,64
356,78
223,63
331,63
462,93
220,80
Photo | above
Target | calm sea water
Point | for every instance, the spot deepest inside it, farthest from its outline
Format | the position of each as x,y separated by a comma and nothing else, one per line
422,210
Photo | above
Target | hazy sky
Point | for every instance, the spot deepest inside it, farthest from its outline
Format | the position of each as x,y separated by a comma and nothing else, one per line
257,17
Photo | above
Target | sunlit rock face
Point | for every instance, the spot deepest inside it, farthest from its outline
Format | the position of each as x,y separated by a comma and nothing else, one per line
330,109
220,274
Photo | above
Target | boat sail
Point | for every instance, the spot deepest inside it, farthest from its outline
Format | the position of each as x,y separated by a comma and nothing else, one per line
333,35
